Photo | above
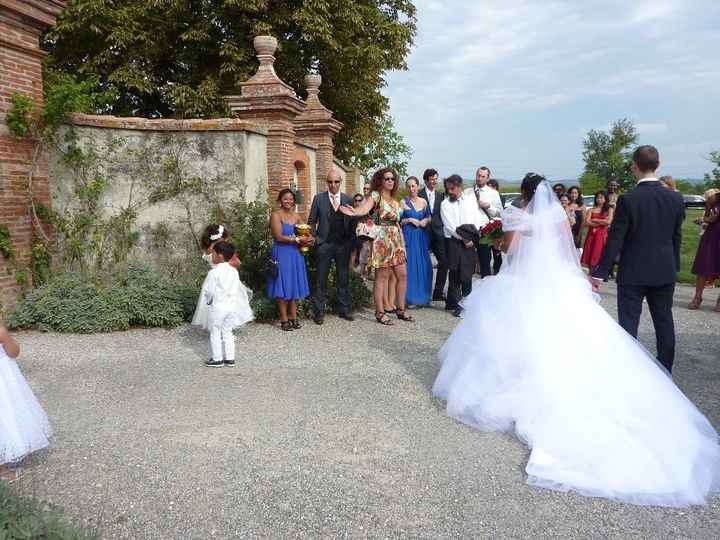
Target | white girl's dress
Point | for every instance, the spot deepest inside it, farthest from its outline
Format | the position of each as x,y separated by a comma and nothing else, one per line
24,426
603,420
243,311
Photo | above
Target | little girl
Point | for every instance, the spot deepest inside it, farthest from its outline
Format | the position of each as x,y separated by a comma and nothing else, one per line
24,426
212,235
224,294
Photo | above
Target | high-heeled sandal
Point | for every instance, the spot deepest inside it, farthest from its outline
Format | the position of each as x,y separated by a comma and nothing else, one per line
286,326
695,303
382,318
295,324
404,316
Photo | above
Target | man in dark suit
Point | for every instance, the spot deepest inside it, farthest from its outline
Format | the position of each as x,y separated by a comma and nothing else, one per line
437,236
333,242
646,232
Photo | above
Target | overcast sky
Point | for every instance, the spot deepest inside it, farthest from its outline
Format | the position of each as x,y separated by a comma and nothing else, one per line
516,85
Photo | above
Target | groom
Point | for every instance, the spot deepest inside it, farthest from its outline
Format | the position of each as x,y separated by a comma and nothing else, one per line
646,232
333,242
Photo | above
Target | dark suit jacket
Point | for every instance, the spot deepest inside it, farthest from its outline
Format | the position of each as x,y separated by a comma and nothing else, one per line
646,231
436,225
319,217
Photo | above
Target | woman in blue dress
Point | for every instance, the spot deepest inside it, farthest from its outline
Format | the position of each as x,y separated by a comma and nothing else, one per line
415,219
290,283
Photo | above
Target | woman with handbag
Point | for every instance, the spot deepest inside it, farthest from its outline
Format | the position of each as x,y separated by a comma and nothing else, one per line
388,245
287,274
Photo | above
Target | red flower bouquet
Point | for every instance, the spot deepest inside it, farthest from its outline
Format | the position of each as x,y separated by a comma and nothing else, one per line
491,231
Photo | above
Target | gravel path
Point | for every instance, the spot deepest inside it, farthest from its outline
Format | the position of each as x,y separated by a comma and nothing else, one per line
326,432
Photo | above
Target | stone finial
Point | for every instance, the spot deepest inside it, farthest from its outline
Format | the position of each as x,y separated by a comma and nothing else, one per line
266,82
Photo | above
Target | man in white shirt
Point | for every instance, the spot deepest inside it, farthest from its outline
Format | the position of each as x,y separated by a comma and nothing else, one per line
490,206
456,210
437,236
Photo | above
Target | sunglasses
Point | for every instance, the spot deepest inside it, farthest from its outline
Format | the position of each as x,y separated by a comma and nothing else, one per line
389,178
358,200
333,181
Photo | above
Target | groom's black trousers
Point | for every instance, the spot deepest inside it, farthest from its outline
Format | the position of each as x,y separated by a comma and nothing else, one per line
660,301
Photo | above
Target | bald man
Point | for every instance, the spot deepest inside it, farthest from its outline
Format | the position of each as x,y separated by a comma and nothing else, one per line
333,242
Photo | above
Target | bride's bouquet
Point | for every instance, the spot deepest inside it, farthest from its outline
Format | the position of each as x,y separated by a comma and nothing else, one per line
491,232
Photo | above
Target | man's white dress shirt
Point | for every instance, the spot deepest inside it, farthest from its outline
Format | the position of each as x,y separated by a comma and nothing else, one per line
463,211
431,199
488,195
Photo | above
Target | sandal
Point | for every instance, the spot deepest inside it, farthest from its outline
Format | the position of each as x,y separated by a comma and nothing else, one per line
382,318
295,324
695,303
286,326
404,316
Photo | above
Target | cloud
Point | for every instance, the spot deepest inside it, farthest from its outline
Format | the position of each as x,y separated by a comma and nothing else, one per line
519,67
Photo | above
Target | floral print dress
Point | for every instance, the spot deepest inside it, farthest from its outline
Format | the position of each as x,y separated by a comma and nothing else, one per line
388,247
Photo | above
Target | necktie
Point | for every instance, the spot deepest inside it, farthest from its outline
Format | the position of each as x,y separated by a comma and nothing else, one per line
334,203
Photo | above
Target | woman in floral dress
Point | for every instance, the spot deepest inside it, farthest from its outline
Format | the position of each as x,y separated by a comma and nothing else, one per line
388,248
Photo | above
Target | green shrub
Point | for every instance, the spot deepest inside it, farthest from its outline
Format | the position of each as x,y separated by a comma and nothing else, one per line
79,303
28,518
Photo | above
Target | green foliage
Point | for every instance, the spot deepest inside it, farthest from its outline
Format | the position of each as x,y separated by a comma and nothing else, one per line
40,262
19,118
28,518
88,303
6,246
177,58
712,179
607,155
387,149
685,186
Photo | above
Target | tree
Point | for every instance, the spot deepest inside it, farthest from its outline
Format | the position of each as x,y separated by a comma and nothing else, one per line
387,149
607,155
174,58
712,179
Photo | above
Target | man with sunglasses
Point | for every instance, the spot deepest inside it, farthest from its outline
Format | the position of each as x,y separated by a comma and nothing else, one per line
333,232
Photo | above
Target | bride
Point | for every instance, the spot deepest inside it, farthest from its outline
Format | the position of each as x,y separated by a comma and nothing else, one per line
605,422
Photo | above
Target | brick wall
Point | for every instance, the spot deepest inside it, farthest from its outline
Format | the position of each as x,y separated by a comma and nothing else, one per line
21,22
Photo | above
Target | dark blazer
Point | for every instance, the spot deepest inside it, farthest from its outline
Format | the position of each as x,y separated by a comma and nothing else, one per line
319,217
646,232
436,225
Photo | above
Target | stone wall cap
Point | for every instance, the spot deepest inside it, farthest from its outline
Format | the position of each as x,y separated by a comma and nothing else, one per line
164,124
40,13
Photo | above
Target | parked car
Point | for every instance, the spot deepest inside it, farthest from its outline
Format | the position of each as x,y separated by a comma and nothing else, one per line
589,201
509,198
694,201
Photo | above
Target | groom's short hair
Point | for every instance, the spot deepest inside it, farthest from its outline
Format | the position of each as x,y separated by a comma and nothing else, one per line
646,158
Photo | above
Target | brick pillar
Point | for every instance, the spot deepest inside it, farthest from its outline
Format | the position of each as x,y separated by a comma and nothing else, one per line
316,126
271,103
21,23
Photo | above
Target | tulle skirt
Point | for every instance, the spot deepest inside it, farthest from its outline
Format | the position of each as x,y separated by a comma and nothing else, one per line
540,357
24,426
243,313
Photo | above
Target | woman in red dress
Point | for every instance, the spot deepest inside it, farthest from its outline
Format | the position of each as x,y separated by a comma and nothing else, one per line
597,220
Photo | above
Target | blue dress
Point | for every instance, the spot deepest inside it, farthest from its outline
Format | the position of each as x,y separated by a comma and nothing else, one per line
291,282
419,267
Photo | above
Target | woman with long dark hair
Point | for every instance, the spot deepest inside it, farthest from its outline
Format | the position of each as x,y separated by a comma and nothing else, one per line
597,219
577,205
388,248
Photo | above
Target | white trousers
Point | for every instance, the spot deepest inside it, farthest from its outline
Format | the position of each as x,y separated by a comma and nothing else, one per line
221,327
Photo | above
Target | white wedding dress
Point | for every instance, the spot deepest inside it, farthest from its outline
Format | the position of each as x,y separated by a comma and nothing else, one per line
536,354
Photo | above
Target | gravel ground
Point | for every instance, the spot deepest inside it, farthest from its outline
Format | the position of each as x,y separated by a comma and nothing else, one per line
326,432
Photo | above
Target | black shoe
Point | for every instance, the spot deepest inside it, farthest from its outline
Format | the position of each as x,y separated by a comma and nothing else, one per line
319,319
286,326
295,324
346,316
450,308
439,297
214,363
229,363
458,312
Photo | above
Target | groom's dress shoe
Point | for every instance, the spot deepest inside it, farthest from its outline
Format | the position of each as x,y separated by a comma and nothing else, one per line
458,312
318,319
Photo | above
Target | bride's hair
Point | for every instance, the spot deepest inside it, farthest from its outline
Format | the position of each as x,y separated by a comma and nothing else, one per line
529,185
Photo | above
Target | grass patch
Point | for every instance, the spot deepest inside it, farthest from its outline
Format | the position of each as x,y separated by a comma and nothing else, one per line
690,241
